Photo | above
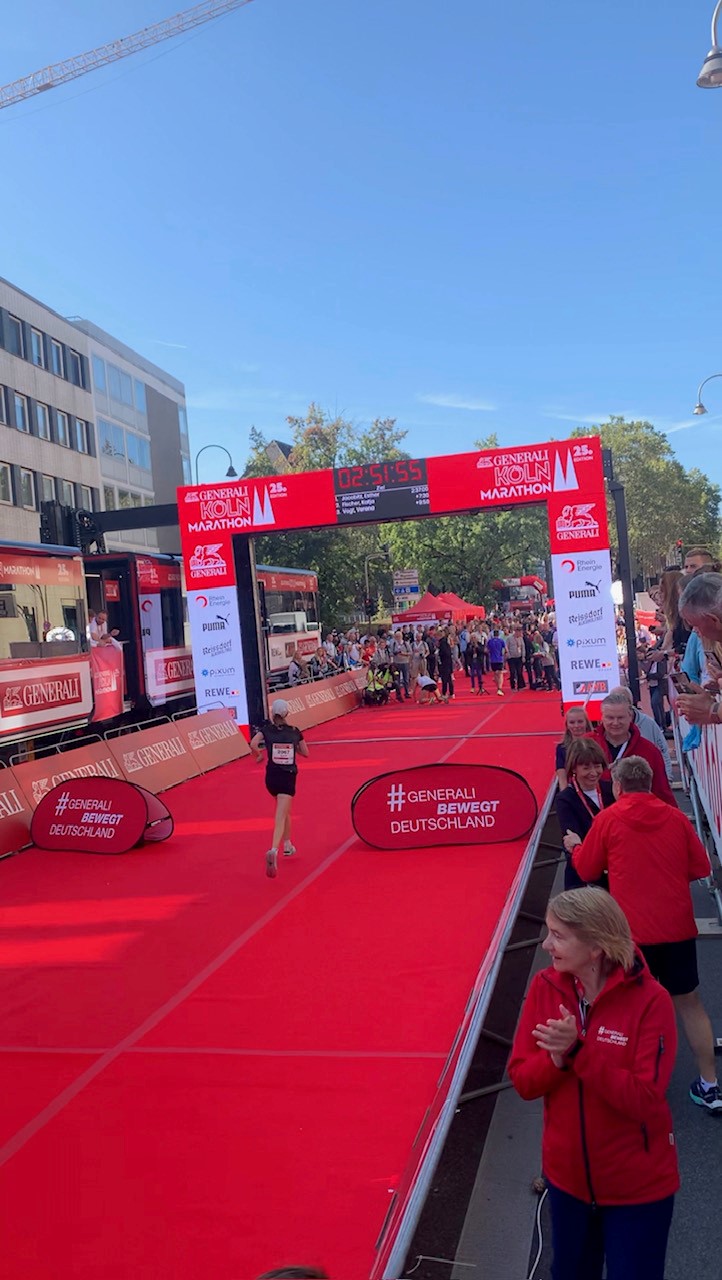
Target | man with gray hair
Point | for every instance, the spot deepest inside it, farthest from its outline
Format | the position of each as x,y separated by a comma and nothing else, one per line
648,728
618,736
700,606
652,853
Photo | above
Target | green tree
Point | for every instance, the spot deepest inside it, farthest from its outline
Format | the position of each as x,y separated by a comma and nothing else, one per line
337,555
664,501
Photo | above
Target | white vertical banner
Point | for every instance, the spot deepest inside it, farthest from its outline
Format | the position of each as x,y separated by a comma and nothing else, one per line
151,621
586,624
217,651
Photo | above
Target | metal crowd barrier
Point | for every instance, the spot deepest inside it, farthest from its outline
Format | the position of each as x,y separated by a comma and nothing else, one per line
701,772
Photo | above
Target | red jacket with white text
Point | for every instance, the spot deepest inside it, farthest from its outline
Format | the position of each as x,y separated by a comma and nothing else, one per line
639,746
651,853
608,1135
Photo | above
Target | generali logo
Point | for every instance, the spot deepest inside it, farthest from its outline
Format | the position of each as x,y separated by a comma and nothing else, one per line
106,768
41,695
207,562
576,522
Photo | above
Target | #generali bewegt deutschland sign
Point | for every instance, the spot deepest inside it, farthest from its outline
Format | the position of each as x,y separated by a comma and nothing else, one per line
567,475
443,804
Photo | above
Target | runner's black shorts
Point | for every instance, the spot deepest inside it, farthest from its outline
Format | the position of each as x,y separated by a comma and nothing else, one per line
674,965
497,666
281,782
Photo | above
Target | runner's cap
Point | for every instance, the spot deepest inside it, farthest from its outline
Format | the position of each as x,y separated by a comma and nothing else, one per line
279,707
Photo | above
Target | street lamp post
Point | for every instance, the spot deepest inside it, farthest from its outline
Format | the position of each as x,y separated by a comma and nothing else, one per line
710,77
231,473
375,555
699,407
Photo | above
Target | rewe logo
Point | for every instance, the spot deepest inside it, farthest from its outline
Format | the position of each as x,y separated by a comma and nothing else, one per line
577,522
206,561
565,477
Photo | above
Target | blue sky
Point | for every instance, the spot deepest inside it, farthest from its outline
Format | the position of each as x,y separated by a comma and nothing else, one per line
471,216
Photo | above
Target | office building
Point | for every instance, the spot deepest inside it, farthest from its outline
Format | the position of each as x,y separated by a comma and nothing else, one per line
84,421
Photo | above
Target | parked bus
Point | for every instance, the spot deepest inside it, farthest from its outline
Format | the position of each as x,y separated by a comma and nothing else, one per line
290,613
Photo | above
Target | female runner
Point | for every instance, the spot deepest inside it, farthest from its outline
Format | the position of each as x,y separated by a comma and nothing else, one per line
283,742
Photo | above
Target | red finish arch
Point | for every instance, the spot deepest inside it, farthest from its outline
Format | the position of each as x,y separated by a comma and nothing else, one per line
566,475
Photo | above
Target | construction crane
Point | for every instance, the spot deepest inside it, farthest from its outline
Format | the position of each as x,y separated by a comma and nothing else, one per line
61,72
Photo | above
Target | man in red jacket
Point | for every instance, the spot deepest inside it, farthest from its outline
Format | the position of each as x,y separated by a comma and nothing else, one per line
619,736
652,854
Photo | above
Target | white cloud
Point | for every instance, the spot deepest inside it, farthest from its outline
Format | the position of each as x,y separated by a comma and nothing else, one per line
698,421
582,419
453,401
230,399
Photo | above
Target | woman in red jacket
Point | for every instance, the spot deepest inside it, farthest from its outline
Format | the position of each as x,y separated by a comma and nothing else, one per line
597,1040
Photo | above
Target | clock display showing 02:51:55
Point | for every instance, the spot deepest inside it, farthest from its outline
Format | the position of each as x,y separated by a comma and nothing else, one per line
374,475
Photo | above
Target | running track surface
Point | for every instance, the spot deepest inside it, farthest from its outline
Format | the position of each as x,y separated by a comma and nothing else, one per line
206,1073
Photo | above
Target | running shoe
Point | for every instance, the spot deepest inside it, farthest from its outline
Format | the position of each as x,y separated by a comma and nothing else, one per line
271,863
500,693
709,1098
288,849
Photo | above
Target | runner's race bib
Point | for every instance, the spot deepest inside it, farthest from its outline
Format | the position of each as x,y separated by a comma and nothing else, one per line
282,753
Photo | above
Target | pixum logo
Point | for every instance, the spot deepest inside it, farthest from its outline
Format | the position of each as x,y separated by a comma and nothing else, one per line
396,797
587,642
577,521
207,562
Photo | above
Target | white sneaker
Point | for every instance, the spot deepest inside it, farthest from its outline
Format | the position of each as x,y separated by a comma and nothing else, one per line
271,864
500,693
288,849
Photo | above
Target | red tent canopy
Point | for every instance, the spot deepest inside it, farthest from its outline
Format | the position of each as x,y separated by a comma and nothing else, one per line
459,606
427,607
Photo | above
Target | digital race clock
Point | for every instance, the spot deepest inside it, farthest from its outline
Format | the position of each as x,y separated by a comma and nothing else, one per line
381,491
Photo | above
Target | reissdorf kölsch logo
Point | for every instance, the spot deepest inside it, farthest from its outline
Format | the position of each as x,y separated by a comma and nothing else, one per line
41,695
576,522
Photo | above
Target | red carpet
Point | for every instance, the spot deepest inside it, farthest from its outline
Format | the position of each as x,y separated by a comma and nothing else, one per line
207,1073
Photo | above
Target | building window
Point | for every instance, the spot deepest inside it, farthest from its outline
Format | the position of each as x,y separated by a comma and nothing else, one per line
63,429
21,413
3,407
56,358
67,494
140,396
37,350
6,488
99,375
81,439
47,488
74,368
124,499
16,337
42,420
109,497
27,489
187,472
86,498
138,450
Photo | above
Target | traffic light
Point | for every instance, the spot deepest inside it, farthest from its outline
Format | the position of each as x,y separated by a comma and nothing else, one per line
369,606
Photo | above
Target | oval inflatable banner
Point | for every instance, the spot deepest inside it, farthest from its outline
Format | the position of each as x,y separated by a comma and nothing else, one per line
437,804
90,815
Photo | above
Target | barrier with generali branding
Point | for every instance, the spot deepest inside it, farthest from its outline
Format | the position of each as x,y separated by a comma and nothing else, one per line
37,695
310,704
158,757
38,777
437,804
15,814
214,738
